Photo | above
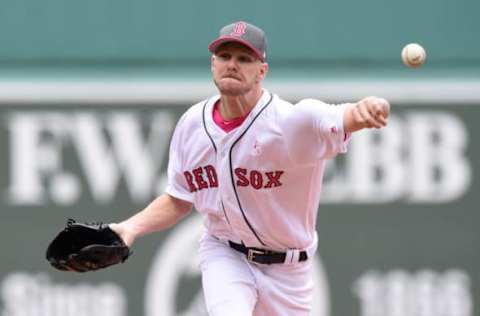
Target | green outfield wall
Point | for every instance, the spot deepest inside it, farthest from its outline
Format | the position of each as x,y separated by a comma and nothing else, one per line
147,34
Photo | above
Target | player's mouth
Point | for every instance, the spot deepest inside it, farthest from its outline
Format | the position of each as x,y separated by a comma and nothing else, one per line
231,77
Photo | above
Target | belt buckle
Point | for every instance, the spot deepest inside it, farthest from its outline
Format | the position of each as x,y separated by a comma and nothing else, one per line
252,253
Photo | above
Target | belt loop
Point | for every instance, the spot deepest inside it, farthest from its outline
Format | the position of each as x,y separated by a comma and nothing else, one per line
292,256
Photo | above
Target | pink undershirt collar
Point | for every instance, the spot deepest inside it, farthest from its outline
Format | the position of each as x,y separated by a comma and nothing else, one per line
227,126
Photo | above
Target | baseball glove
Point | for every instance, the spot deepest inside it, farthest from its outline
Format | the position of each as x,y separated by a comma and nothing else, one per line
83,247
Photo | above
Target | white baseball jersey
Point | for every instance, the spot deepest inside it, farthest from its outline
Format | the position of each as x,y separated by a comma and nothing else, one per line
260,183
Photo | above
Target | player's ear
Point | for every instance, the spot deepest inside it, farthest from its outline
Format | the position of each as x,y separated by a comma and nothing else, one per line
263,71
212,59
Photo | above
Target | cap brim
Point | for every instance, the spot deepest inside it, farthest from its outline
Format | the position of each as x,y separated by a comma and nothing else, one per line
228,39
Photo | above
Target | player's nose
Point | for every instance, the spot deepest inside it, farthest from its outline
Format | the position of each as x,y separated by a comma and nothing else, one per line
232,64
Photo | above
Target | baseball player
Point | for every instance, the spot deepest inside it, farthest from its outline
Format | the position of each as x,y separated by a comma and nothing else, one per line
252,165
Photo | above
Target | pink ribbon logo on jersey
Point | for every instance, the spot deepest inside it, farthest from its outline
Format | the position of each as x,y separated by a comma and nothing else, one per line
239,29
257,149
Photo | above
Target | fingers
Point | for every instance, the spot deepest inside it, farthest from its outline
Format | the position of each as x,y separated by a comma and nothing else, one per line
378,113
368,118
374,112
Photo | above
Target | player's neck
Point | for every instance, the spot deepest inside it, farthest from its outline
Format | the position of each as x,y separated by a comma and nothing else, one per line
232,107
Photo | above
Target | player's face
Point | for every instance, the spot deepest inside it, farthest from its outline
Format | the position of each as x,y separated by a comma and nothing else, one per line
236,69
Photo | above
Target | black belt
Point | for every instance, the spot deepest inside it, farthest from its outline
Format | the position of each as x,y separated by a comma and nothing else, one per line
264,256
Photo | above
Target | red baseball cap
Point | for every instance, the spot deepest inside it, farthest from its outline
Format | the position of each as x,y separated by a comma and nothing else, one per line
244,33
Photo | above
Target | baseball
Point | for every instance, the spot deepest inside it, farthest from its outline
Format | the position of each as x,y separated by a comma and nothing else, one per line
413,55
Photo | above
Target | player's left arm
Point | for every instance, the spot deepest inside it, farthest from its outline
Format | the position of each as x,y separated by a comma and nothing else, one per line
370,112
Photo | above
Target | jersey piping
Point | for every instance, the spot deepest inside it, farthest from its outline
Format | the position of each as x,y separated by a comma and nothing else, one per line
230,162
205,125
231,171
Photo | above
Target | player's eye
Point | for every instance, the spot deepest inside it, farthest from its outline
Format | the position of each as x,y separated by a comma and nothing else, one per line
245,59
224,55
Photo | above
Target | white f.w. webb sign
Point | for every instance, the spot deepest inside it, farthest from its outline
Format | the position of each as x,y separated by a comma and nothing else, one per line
419,158
108,147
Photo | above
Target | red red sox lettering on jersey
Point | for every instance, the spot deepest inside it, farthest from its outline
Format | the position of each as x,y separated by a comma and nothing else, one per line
206,177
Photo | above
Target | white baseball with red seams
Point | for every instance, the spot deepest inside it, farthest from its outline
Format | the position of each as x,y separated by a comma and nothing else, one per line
258,185
413,55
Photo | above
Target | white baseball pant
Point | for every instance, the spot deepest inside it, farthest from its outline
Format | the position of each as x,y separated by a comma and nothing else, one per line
234,286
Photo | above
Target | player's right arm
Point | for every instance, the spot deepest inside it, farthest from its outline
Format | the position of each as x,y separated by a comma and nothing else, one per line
167,209
162,213
315,131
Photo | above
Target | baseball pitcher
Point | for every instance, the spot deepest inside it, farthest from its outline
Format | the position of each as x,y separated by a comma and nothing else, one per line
252,165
